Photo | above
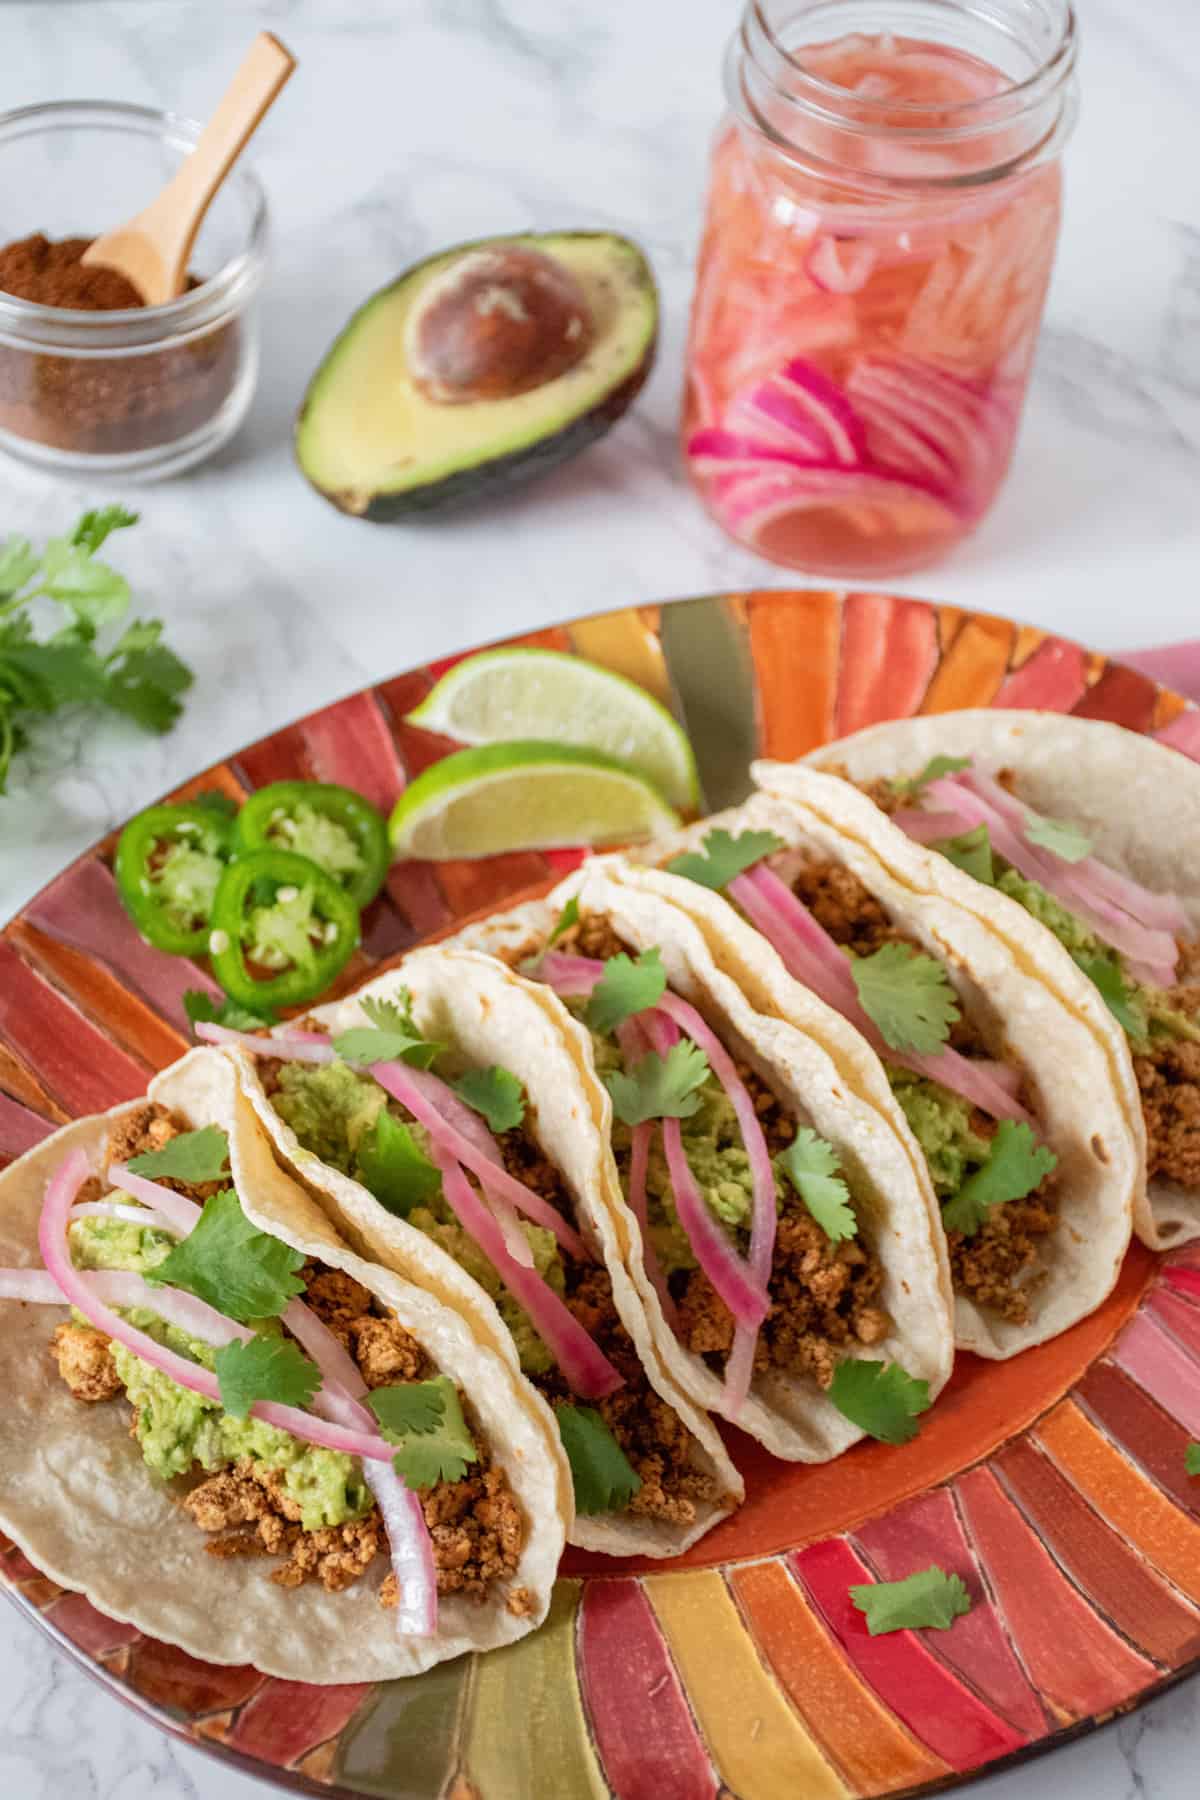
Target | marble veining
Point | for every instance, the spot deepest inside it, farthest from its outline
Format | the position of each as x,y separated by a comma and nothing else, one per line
413,124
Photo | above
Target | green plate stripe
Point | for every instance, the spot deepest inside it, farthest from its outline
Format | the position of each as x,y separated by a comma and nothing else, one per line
707,648
402,1745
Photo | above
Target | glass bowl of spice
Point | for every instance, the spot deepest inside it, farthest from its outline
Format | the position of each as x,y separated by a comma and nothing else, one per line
91,380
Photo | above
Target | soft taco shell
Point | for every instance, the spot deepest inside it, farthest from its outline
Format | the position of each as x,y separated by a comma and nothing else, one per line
1017,1012
790,1415
1139,802
492,1015
77,1497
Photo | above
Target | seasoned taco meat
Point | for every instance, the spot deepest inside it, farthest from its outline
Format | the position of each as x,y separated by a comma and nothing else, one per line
85,1363
1168,1075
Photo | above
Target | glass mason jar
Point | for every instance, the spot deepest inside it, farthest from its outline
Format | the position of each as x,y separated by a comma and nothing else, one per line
882,221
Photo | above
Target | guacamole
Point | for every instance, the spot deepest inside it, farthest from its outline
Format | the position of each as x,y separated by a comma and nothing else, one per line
941,1123
178,1429
329,1107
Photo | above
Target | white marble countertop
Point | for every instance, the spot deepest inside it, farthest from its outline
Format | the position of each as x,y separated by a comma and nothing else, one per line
417,123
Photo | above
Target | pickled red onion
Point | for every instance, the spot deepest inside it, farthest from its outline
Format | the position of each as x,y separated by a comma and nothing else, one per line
583,1364
112,1209
633,1048
182,1213
295,1046
456,1112
839,266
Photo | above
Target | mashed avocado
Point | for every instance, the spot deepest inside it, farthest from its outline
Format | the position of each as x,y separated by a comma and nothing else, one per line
439,1223
941,1123
178,1429
1070,931
329,1107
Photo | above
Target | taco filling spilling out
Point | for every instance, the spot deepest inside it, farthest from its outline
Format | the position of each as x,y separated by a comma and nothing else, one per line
453,1151
972,1115
298,1419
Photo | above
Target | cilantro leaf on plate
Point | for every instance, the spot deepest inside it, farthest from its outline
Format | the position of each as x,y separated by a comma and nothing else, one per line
724,857
1104,972
144,678
811,1165
202,1008
95,593
605,1480
425,1419
930,1599
193,1156
880,1398
1015,1166
1191,1459
1059,836
266,1368
494,1092
391,1164
243,1272
660,1087
392,1036
908,996
934,769
568,917
970,851
97,524
627,986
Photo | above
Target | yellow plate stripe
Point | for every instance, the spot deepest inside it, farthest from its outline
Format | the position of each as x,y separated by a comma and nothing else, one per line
628,645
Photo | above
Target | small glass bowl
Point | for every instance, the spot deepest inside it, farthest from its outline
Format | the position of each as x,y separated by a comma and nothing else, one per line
145,391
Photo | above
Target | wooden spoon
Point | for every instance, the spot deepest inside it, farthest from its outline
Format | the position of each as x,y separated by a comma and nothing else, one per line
152,250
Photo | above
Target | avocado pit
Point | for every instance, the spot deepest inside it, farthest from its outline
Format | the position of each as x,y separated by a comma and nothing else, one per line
495,323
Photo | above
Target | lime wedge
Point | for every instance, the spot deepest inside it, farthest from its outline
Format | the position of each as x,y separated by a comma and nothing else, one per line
526,795
504,694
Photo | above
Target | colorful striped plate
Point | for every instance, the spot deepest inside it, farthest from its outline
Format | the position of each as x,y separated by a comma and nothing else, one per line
1054,1485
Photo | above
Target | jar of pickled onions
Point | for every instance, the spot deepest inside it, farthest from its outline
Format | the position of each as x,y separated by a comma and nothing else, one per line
882,221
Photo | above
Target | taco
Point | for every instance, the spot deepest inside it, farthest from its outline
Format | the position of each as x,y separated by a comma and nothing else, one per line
438,1117
1094,832
773,1224
1010,1108
221,1424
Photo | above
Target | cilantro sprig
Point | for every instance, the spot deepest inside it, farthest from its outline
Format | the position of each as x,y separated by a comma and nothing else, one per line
567,919
392,1165
937,766
970,851
660,1087
496,1094
1191,1459
241,1271
882,1399
266,1368
193,1156
1105,974
1062,838
811,1165
604,1478
69,664
627,986
391,1036
425,1419
1016,1165
927,1600
908,996
201,1007
723,857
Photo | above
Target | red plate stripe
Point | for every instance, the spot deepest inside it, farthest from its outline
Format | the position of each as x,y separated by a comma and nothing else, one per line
1121,696
1161,1365
20,1129
351,743
83,909
414,891
934,1705
1081,1666
77,1062
1053,679
287,1719
1106,1567
1183,734
928,1530
1145,1433
645,1734
1181,1319
889,653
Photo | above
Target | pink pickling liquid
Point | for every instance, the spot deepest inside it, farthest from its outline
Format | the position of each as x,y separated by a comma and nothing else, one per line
857,366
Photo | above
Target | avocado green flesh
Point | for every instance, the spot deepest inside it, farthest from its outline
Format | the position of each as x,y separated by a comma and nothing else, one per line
373,444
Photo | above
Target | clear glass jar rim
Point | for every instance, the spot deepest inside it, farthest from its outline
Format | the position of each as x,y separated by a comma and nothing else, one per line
222,293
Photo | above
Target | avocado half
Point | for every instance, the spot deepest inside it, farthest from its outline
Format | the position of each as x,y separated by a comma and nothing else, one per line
372,440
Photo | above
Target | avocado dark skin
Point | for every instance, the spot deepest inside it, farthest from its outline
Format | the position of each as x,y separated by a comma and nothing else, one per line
579,405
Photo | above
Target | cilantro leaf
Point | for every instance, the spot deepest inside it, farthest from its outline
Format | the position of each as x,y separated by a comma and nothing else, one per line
908,996
811,1165
880,1398
92,591
425,1418
626,987
391,1165
200,1006
1104,972
495,1093
266,1368
145,679
392,1036
724,856
193,1156
930,1599
96,525
1191,1459
660,1087
18,565
215,800
934,769
970,851
1059,836
1016,1166
604,1478
227,1261
568,917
